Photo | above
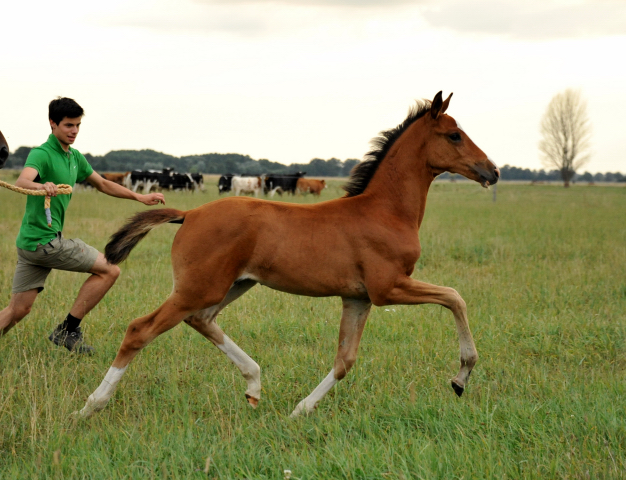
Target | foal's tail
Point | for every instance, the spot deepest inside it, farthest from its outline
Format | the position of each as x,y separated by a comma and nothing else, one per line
124,240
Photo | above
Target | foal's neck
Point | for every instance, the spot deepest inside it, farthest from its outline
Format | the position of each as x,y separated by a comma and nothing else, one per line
400,185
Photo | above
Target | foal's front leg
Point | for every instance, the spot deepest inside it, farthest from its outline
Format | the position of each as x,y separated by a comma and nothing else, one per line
353,321
408,291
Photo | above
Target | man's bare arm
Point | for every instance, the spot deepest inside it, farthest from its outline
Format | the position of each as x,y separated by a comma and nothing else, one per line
27,180
114,190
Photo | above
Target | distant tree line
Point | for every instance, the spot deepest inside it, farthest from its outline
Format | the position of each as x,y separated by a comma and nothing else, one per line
515,173
218,163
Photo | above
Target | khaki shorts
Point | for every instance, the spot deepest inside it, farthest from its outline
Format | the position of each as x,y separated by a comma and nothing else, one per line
33,268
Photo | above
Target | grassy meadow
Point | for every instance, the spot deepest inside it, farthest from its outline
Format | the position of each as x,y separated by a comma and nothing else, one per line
543,272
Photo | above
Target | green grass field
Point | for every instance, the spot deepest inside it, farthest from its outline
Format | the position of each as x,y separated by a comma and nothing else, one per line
543,272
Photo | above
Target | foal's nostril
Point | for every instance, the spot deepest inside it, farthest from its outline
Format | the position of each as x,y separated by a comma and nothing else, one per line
497,172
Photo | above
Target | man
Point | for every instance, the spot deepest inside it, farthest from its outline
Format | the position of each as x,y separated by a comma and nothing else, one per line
41,248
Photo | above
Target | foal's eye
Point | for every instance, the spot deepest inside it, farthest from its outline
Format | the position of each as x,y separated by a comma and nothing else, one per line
455,137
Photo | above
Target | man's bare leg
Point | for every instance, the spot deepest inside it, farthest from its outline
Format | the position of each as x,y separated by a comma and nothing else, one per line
95,287
18,308
68,334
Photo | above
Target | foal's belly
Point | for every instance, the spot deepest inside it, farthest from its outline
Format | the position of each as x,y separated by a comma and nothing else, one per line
314,279
312,288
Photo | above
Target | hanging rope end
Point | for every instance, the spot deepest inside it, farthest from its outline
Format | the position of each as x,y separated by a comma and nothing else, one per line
49,217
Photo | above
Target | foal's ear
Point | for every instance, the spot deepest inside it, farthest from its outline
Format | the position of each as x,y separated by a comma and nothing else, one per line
435,106
445,104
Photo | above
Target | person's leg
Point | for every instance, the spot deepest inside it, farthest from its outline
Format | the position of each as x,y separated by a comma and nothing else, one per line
28,281
95,287
68,333
18,308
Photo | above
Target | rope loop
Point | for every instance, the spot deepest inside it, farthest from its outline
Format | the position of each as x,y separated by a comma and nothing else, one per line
62,189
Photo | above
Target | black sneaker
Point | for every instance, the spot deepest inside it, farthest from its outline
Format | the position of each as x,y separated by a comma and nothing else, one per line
73,341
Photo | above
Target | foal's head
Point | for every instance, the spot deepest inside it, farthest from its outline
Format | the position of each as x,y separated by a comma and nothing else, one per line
451,150
4,150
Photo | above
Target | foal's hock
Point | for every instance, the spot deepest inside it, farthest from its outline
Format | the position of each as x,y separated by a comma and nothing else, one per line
362,247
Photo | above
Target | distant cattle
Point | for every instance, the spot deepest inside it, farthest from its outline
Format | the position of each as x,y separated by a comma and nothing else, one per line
309,185
224,183
166,179
145,179
84,185
198,180
176,181
247,185
282,183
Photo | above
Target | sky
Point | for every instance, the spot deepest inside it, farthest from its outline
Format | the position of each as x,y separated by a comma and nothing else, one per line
294,80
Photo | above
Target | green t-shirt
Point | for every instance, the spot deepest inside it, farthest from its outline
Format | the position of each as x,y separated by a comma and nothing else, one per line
56,166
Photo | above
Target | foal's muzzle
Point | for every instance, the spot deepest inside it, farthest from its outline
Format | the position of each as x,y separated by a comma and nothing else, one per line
488,175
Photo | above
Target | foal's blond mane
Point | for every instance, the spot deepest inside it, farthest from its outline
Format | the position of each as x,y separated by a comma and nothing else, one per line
363,172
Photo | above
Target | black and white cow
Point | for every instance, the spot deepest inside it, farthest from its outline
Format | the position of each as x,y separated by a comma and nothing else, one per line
224,184
167,179
198,180
146,179
282,183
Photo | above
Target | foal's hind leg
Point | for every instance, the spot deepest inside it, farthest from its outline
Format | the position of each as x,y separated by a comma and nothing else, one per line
353,321
140,333
204,323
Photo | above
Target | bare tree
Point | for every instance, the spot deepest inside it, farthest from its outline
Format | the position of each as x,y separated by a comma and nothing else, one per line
566,132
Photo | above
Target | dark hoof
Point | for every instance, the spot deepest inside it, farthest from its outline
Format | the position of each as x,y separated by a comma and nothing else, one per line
253,402
458,389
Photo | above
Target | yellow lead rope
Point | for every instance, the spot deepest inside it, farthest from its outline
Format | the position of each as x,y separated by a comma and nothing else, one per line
62,189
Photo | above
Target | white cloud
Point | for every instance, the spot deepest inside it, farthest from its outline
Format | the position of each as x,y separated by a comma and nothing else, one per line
360,4
529,19
257,18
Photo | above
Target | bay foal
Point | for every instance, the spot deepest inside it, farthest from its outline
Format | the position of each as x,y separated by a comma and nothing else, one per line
362,247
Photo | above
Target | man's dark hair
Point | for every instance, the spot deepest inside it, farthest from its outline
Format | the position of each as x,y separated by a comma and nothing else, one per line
62,107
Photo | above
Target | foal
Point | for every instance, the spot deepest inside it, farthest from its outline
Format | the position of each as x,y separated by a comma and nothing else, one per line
362,247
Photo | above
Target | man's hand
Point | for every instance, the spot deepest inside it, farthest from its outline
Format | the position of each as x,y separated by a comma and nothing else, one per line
152,199
50,188
115,190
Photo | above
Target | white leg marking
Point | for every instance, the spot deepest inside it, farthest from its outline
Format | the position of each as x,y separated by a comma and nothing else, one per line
309,403
249,368
98,399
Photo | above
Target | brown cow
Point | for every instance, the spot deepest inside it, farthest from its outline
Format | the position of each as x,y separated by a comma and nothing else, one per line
308,185
119,178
